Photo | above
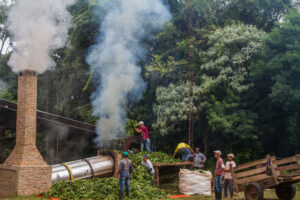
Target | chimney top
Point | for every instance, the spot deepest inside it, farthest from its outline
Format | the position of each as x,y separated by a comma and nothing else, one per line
27,73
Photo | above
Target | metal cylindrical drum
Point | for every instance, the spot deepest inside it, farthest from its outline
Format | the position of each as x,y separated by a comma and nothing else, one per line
99,166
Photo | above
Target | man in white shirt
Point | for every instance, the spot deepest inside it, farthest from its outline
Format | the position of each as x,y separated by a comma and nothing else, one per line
199,159
228,183
147,163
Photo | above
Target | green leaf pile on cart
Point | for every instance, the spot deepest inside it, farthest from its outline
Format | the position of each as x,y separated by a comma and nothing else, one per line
108,188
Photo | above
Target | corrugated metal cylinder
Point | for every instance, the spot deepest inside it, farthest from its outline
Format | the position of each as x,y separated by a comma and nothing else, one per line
99,166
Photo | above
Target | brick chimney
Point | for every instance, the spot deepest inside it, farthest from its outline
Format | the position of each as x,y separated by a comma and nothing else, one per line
25,172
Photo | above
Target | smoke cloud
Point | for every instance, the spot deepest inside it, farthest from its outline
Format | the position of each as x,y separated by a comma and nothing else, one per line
38,28
115,56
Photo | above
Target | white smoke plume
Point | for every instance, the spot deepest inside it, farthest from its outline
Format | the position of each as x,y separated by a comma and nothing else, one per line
38,27
115,56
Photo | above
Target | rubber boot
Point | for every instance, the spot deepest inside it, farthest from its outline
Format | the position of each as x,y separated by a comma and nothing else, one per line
121,195
218,196
127,193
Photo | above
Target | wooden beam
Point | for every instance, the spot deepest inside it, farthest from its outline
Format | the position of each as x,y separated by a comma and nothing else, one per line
53,118
254,179
172,164
252,164
289,160
288,167
250,172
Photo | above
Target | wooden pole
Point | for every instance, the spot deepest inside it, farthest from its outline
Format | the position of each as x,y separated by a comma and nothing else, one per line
190,76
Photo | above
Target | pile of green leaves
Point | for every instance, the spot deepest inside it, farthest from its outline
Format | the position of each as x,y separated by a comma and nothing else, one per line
104,189
131,124
140,173
108,188
154,157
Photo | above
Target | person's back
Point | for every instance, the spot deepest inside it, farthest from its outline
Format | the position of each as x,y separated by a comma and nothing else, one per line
125,167
148,166
182,145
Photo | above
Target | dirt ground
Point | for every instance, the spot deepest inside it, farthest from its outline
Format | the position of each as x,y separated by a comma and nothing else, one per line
268,194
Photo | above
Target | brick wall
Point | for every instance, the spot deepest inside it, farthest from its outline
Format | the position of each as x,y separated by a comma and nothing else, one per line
25,172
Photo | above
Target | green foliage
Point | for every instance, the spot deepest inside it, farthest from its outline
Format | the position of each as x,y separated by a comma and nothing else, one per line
261,13
276,73
105,188
233,112
108,188
129,128
7,95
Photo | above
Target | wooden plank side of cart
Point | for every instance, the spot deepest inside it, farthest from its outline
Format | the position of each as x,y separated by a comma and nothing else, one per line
255,171
267,172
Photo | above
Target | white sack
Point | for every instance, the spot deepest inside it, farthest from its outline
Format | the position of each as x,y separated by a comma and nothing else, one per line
194,182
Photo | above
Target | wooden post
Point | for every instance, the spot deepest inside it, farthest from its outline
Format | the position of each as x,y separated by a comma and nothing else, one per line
117,157
274,172
157,175
236,186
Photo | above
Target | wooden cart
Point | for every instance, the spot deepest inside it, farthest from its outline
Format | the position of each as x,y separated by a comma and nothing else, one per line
254,177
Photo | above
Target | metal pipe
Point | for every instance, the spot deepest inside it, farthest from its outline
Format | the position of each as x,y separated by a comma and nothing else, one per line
99,166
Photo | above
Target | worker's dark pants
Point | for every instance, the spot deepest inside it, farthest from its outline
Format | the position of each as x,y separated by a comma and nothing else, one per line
145,144
124,181
218,184
185,154
228,185
152,179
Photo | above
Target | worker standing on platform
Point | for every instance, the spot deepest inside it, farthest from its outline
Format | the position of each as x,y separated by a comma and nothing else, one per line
199,159
148,164
125,169
185,150
145,143
219,173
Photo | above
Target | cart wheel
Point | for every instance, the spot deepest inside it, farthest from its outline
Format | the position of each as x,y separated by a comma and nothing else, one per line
254,192
286,192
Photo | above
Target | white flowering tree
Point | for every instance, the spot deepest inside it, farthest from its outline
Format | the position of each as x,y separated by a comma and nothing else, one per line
222,79
226,61
173,106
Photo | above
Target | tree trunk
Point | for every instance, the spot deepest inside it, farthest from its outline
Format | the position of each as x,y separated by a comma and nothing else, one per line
206,140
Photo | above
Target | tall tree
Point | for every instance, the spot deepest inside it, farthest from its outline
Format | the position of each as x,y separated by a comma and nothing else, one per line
277,74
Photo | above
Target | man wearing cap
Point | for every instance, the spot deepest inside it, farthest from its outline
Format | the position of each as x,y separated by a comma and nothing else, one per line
228,183
199,159
148,164
125,169
185,150
219,173
145,137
